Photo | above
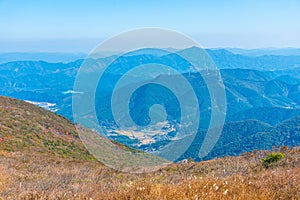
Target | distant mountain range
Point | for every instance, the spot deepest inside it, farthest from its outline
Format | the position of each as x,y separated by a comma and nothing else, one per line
69,57
40,56
266,51
262,92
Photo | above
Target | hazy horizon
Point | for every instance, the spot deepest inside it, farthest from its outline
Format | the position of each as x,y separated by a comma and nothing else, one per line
55,26
211,48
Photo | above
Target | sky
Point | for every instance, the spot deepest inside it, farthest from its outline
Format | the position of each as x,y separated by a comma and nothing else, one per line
78,26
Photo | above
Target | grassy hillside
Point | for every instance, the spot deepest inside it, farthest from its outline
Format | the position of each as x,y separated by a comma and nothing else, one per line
27,128
24,176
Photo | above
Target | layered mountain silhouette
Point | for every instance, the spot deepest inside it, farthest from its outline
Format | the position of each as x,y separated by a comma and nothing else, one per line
262,96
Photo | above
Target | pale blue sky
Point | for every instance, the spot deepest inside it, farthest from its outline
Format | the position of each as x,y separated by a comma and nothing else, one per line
78,26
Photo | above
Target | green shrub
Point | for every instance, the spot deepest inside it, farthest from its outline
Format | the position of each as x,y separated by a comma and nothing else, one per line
271,158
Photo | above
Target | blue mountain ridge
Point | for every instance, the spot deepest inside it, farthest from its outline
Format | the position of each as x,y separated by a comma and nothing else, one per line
262,92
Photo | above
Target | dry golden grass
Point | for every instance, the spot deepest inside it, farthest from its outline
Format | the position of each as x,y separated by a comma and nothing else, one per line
34,176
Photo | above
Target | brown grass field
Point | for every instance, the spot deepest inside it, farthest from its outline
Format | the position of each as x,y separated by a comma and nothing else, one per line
36,176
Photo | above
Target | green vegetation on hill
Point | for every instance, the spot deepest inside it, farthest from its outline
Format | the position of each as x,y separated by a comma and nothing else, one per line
246,136
28,128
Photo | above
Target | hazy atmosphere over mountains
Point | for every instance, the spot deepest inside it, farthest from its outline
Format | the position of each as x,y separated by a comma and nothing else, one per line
262,94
